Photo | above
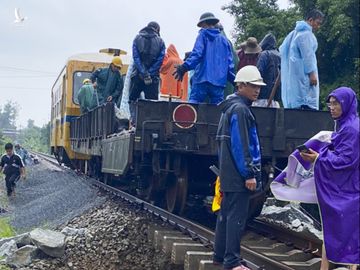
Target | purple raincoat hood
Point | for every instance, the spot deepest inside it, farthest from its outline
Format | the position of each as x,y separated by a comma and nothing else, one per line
347,98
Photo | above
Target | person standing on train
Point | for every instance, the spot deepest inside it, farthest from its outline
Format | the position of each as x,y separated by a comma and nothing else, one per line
169,85
148,53
248,53
86,96
108,82
239,164
299,72
269,67
212,60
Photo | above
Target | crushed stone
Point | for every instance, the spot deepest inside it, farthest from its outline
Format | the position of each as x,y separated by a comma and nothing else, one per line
48,197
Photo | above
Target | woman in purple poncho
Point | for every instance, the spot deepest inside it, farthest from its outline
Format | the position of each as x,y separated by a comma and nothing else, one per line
337,182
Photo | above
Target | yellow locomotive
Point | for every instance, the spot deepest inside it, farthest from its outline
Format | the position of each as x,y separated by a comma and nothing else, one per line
64,103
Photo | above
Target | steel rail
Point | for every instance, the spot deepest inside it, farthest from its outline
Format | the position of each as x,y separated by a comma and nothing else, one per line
299,240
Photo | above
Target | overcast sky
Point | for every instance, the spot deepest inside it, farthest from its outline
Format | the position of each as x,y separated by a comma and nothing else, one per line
32,55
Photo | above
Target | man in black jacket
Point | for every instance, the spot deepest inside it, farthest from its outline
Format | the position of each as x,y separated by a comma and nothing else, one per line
269,66
240,166
13,167
148,54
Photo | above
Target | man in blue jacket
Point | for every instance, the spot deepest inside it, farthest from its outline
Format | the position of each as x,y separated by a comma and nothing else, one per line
299,72
212,60
148,53
239,164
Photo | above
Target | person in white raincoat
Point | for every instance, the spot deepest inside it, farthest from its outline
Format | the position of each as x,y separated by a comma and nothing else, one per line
299,73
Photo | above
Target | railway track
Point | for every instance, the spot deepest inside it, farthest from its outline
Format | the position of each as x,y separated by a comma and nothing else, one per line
264,246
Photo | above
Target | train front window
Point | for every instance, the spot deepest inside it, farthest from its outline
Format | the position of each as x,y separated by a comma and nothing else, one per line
78,78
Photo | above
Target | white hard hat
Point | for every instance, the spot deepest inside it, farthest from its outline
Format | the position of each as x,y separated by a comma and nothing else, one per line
249,74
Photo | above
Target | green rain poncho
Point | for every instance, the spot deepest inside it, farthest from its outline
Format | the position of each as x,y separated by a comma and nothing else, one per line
85,97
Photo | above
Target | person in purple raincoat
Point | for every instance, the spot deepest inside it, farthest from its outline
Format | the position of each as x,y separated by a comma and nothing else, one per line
336,171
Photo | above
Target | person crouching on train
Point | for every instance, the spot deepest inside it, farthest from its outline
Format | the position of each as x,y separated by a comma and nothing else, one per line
13,168
240,166
108,82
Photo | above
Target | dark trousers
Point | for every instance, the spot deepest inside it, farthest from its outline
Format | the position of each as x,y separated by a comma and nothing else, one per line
151,91
10,180
230,227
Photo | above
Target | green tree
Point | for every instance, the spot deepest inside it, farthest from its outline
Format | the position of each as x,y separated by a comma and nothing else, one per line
338,40
338,37
30,124
256,18
35,138
8,115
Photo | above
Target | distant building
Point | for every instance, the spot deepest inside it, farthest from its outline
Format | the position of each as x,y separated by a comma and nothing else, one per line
10,133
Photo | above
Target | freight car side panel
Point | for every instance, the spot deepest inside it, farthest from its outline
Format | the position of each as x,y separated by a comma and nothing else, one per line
280,130
88,130
117,154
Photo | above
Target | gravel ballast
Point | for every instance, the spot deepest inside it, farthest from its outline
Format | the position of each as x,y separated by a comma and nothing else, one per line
102,232
115,237
49,197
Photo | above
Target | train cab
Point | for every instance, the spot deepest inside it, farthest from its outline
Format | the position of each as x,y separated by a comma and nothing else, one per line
64,103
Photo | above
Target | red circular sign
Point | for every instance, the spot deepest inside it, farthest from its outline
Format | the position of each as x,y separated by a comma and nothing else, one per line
184,116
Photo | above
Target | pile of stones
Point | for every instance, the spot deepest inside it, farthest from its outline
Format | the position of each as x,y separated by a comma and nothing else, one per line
21,250
108,237
289,216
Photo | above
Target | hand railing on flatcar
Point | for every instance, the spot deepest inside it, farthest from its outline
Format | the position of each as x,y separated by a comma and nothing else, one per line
98,123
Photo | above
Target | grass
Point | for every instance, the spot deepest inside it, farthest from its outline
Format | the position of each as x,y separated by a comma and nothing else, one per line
5,228
4,267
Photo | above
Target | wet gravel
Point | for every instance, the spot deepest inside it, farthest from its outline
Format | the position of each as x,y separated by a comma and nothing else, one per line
116,234
116,237
49,197
290,216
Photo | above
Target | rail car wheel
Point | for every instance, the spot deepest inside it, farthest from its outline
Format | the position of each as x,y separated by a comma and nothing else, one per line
176,193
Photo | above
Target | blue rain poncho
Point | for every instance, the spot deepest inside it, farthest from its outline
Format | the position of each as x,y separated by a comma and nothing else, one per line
211,58
298,60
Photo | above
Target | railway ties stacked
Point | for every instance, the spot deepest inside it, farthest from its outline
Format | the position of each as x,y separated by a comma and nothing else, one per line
259,252
287,257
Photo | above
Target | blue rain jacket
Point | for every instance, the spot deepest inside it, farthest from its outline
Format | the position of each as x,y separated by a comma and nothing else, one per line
238,144
211,58
148,52
298,60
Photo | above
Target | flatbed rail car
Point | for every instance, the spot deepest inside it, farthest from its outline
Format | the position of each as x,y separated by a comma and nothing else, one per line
175,143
